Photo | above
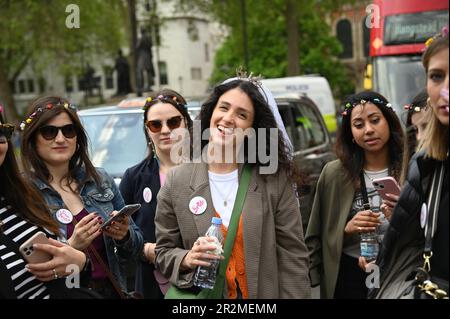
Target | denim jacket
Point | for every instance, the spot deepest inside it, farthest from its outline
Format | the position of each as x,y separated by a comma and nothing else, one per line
103,201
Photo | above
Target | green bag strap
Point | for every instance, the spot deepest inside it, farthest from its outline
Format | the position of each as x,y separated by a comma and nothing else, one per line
235,215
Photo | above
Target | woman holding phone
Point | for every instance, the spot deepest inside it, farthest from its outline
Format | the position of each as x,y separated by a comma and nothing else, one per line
164,112
346,204
81,197
23,214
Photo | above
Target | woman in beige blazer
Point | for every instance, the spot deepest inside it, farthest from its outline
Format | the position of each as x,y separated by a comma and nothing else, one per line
269,257
369,145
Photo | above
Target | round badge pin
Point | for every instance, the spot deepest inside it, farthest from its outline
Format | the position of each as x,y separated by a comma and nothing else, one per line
197,205
64,216
147,194
423,215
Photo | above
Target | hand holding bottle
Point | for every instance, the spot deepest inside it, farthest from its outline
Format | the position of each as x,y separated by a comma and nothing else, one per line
365,221
201,253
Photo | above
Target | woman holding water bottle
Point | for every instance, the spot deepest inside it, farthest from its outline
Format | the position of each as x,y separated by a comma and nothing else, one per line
346,205
269,258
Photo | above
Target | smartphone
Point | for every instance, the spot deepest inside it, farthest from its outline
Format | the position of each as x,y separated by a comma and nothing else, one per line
386,185
125,211
35,256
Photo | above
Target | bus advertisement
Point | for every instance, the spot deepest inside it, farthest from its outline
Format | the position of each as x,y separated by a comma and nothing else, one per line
397,42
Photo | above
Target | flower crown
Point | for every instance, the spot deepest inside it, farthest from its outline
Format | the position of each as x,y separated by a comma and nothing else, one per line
415,108
39,111
164,99
241,74
348,106
444,33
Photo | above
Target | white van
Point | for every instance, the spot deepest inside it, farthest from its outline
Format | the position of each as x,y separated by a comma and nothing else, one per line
315,87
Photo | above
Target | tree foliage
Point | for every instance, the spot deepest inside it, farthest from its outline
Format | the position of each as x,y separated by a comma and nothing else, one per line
34,33
267,39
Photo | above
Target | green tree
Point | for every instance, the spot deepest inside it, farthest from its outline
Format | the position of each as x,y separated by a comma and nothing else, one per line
34,33
270,27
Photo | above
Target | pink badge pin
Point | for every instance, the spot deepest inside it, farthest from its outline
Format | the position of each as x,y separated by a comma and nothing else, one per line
147,195
64,216
197,205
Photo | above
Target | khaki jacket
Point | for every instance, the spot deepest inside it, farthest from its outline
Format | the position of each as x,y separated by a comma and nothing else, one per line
325,234
276,257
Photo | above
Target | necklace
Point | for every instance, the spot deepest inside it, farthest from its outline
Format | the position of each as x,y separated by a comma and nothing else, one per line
225,199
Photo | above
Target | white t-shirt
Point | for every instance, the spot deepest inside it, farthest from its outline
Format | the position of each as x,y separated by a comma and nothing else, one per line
224,189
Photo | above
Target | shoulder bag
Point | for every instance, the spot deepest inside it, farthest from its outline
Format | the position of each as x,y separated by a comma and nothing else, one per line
217,292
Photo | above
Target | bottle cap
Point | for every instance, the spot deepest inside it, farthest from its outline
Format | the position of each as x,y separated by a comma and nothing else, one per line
216,220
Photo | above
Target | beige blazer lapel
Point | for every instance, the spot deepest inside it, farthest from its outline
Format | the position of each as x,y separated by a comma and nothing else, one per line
199,185
252,215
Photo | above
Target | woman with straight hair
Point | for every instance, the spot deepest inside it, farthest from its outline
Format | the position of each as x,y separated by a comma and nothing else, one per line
164,112
81,197
23,214
408,228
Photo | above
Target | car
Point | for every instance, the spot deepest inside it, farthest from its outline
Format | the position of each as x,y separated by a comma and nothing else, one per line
311,141
118,141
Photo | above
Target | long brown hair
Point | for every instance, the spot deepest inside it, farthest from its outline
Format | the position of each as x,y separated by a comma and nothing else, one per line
21,195
33,163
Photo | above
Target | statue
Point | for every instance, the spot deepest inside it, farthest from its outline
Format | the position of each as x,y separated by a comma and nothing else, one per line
123,74
144,67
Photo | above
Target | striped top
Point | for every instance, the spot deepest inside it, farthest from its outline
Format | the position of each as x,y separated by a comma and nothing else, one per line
19,230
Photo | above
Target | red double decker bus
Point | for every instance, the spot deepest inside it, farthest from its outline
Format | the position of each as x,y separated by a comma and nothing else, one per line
397,44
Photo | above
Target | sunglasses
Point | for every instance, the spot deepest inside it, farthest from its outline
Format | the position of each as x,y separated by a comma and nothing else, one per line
156,125
49,132
6,131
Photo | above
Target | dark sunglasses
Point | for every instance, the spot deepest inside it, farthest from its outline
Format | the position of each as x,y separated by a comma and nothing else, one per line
6,131
156,125
49,132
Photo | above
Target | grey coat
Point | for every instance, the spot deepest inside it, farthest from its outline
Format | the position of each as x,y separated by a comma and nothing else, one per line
276,258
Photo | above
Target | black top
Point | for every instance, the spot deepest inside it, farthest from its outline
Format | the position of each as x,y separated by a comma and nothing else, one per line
440,259
143,177
405,229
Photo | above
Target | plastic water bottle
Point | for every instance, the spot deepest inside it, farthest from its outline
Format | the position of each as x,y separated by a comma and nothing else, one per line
205,277
369,246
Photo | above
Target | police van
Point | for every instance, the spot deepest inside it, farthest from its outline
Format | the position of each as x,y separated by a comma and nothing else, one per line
316,88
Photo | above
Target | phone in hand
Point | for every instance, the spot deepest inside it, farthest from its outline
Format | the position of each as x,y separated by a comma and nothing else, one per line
386,185
125,211
35,256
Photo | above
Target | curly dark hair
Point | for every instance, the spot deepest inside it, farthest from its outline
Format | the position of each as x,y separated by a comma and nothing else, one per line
169,97
263,118
21,195
33,163
352,155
